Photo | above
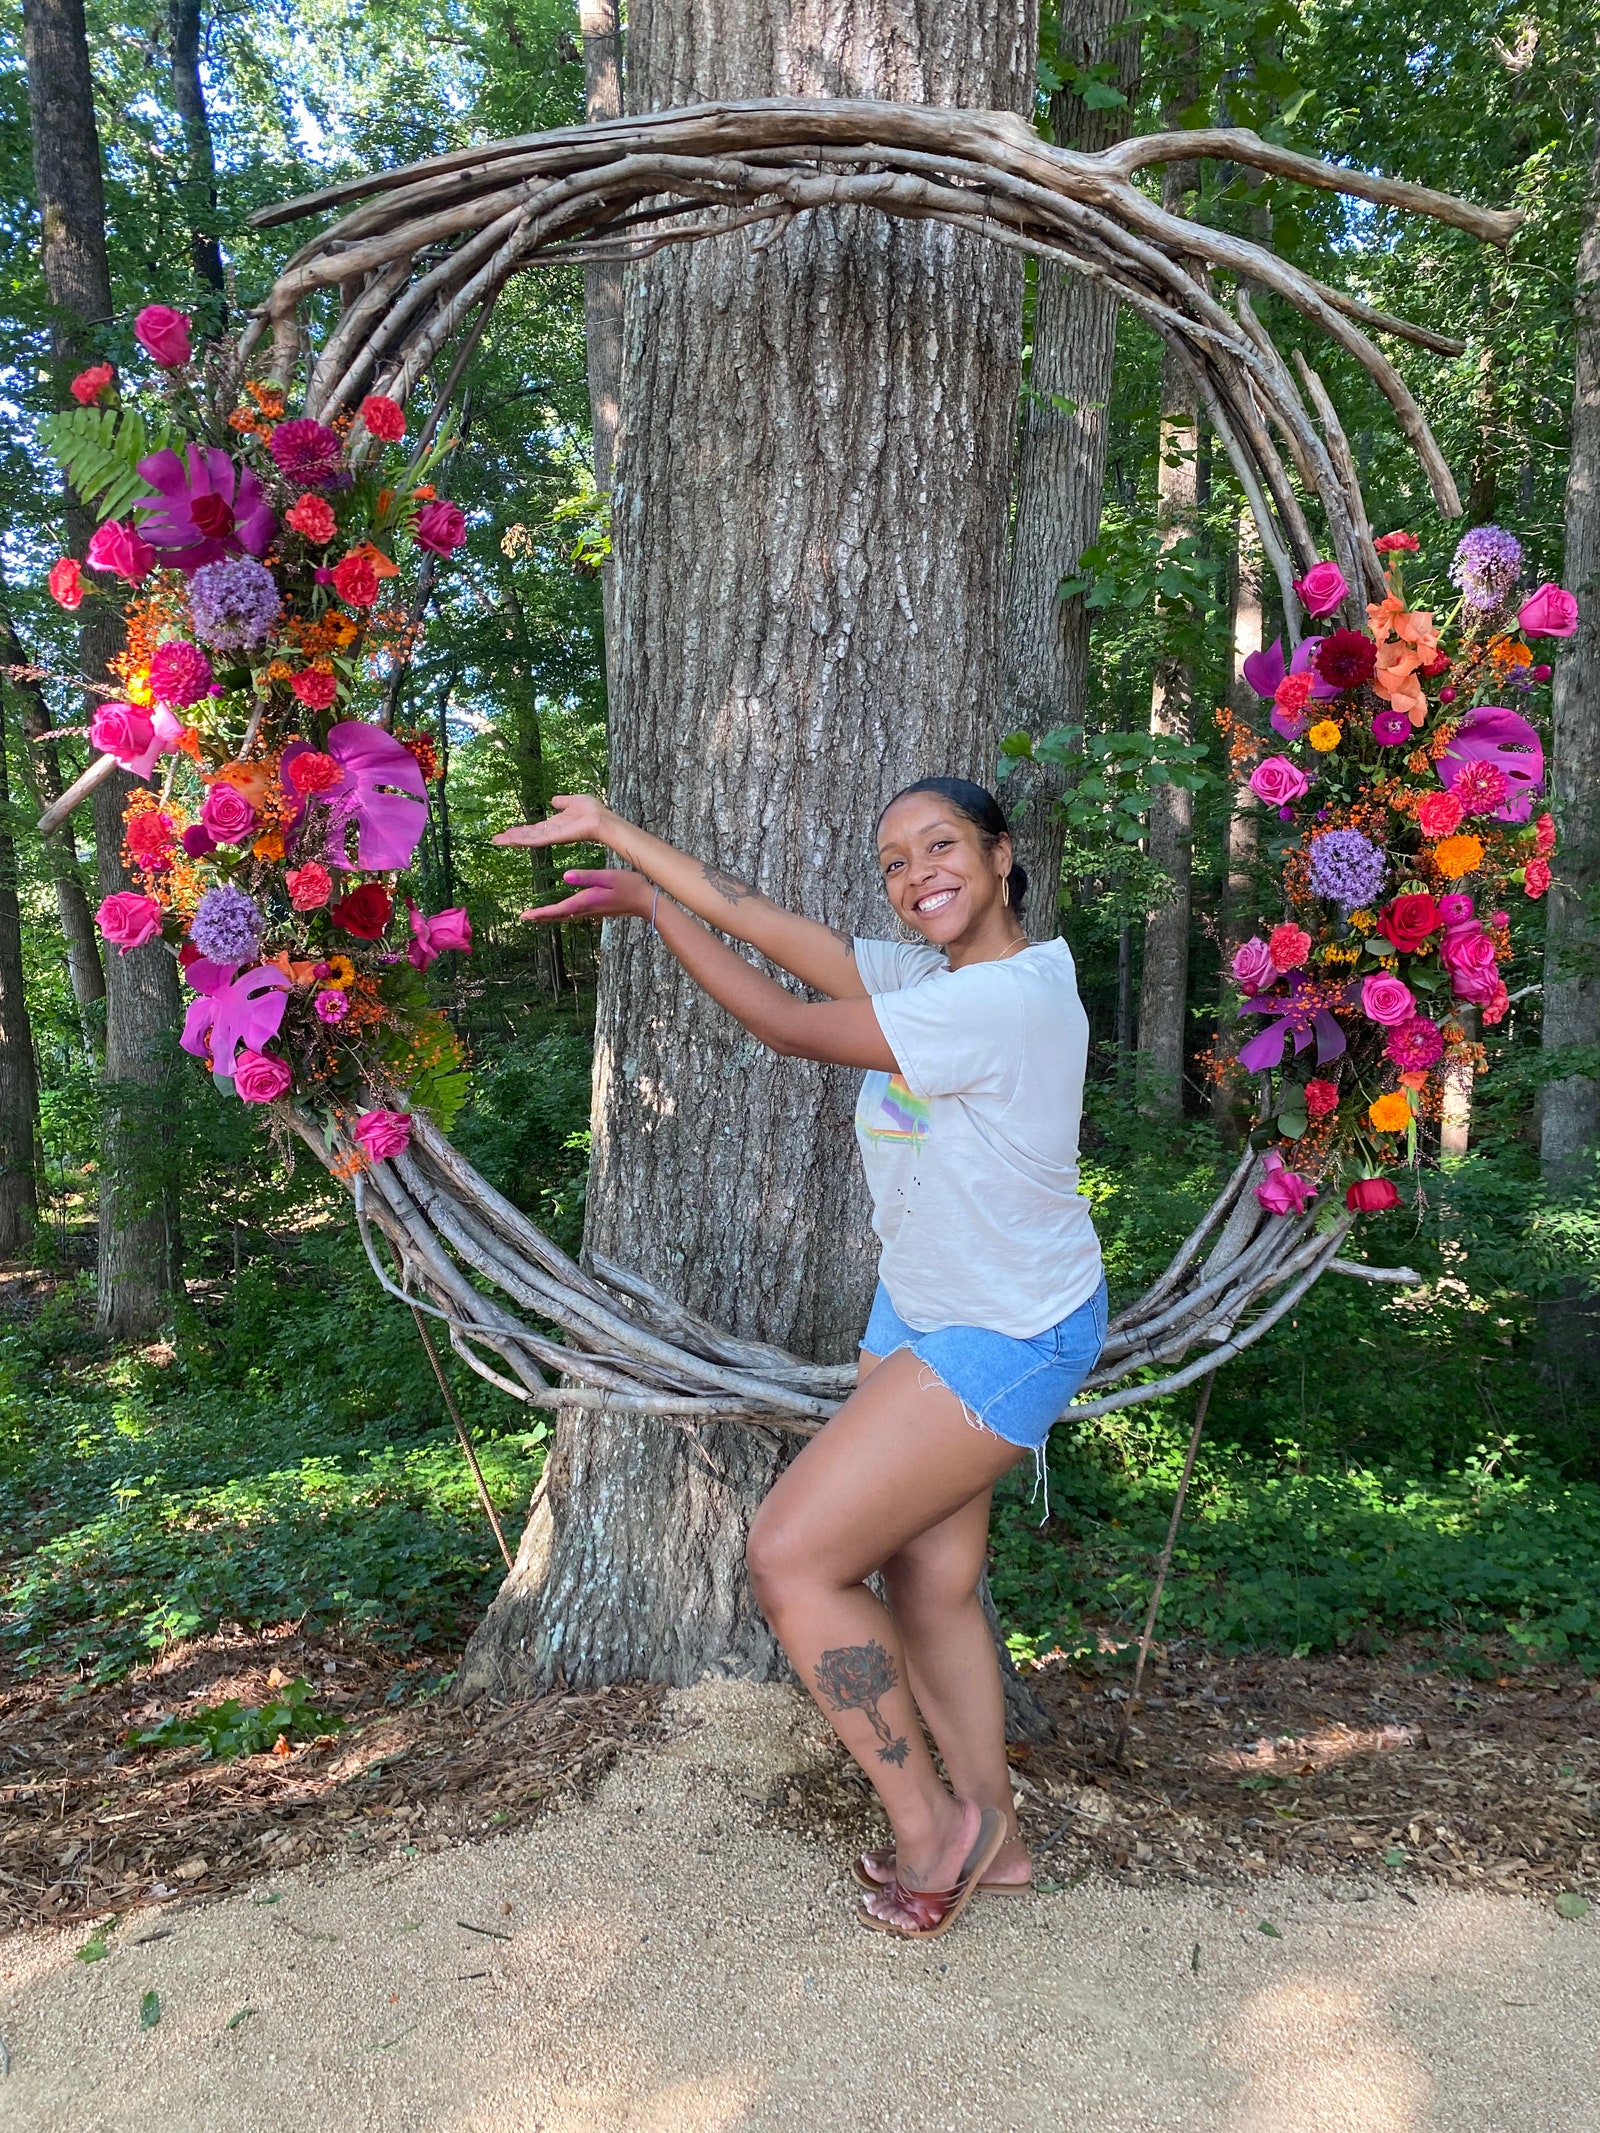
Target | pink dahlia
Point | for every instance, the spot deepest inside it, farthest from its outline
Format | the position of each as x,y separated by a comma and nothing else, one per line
1414,1045
180,674
307,452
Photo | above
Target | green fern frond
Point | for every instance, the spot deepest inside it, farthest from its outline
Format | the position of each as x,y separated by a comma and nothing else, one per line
98,449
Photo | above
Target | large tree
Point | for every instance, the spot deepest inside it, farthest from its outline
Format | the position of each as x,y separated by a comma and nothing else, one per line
810,518
138,1209
19,1081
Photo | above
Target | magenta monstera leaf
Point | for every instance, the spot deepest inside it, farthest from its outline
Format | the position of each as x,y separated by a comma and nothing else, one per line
388,822
247,1011
1492,734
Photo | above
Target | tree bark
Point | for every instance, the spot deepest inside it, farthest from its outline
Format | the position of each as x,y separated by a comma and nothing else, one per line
1164,990
810,515
19,1080
138,1199
1061,478
200,182
1244,816
1570,1114
600,24
42,773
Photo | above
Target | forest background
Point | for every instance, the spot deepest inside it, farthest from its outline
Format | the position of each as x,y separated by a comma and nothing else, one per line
273,1449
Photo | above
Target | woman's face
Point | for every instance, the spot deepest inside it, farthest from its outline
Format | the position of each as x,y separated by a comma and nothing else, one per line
938,876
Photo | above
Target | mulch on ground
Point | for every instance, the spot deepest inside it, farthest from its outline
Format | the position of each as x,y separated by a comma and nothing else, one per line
1366,1770
93,1823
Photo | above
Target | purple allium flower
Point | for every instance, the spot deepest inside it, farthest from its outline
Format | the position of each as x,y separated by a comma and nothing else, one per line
234,602
209,507
180,674
1347,867
1415,1044
226,927
307,452
1487,564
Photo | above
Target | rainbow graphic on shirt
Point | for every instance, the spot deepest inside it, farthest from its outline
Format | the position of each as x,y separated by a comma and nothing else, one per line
890,1111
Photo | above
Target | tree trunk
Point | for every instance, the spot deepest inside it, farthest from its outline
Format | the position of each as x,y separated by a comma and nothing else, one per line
1244,817
42,773
1164,992
19,1081
810,513
1060,478
533,799
1570,1115
200,181
600,23
138,1201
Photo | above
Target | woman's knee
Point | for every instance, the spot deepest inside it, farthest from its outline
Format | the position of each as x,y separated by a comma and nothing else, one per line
929,1589
773,1557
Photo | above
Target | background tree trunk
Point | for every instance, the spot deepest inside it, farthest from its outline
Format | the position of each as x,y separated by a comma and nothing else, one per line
1570,1116
200,181
19,1080
138,1199
810,514
1061,475
1164,987
600,24
1244,816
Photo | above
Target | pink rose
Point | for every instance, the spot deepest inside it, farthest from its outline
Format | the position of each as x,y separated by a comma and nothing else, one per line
1322,588
1467,952
258,1078
1283,1191
384,1133
118,548
127,919
227,814
1278,782
1549,612
1289,946
164,334
1384,999
441,528
122,730
1253,967
430,937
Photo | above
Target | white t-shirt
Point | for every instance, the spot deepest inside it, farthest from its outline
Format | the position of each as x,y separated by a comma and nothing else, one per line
971,1150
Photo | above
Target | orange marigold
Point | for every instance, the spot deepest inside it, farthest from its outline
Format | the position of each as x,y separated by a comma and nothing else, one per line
1456,856
1390,1113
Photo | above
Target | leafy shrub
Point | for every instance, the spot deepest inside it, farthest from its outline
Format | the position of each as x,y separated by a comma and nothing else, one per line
229,1728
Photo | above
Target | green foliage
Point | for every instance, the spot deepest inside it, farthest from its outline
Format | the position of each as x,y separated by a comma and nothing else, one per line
98,449
230,1728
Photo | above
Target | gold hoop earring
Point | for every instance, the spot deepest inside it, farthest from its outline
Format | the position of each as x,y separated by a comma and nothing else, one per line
1005,889
904,933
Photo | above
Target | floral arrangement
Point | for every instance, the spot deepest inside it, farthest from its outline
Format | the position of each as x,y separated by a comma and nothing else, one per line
259,560
1409,788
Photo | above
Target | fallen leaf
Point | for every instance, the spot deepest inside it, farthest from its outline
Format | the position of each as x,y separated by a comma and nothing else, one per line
192,1869
235,2020
94,1949
1266,1926
1571,1905
150,2010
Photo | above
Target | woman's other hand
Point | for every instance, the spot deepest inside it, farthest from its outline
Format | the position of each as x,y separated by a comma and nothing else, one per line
601,892
575,818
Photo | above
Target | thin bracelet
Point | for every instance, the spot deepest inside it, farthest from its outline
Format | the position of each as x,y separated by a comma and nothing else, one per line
653,902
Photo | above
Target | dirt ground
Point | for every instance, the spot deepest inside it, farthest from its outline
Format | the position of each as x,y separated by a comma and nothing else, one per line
666,1955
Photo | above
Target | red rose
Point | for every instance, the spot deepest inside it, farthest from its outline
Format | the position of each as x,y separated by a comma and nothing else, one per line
364,912
355,580
1371,1196
385,418
316,690
66,583
1406,923
89,384
213,515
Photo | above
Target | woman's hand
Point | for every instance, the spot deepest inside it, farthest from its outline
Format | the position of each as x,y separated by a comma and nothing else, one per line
575,818
602,892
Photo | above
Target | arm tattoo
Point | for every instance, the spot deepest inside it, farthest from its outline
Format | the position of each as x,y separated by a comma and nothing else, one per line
853,1679
846,941
727,885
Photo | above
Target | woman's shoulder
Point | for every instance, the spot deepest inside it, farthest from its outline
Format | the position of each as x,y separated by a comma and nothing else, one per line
890,966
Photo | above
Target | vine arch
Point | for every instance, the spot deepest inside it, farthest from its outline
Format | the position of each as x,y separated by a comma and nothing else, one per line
418,260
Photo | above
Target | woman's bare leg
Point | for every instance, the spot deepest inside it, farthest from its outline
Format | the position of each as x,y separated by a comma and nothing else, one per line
898,1458
955,1675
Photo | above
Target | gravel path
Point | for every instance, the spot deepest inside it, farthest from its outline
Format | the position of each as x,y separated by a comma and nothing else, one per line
665,1960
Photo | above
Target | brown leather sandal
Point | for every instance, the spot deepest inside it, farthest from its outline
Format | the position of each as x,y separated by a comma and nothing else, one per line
936,1910
875,1870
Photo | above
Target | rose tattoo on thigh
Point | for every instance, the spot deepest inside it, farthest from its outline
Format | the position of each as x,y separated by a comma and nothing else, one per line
853,1679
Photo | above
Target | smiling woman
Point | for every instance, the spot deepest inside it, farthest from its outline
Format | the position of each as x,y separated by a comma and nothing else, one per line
991,1306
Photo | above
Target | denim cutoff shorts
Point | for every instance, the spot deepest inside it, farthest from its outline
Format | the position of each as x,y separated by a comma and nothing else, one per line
1014,1388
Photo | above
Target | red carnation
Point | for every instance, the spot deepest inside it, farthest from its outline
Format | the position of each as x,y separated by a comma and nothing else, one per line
316,690
385,418
89,384
355,580
312,771
1397,544
364,912
66,583
313,517
1346,659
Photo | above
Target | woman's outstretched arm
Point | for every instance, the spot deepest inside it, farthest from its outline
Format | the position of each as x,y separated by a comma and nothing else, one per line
813,953
842,1032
